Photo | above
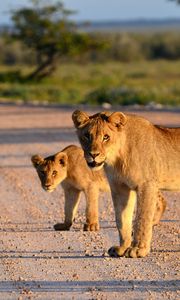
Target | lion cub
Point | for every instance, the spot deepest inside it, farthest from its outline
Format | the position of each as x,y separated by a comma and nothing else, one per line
69,168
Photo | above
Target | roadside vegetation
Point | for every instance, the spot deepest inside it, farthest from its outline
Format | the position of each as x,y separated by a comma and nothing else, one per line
36,64
95,83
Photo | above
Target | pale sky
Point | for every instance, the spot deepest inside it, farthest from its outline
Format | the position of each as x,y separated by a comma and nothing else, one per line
97,10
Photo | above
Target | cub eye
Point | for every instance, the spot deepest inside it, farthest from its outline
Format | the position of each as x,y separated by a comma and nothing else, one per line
43,173
54,173
106,138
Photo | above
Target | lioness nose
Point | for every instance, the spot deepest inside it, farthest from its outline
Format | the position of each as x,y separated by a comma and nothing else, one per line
93,154
47,185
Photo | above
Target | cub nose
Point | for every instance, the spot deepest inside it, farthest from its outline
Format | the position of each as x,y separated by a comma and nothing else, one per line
94,154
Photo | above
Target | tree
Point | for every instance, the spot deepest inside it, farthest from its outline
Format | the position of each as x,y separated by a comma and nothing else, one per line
45,29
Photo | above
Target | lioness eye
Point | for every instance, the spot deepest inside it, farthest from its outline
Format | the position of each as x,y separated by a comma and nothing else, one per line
106,137
54,173
87,136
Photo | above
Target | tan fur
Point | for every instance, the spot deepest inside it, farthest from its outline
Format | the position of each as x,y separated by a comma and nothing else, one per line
69,168
137,156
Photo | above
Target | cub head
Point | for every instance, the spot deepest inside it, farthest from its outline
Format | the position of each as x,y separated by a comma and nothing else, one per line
51,170
100,136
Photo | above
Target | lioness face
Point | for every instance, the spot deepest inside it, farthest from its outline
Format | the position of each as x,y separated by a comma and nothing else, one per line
98,136
51,170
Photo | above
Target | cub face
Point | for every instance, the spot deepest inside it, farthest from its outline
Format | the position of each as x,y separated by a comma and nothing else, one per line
98,135
51,170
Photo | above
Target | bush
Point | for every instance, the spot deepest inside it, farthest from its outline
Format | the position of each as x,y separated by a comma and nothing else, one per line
124,47
14,53
130,96
162,45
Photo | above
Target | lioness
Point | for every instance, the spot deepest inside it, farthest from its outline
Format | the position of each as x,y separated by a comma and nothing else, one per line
69,168
138,156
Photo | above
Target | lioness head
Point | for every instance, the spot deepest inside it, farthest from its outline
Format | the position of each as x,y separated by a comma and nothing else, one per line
98,135
51,170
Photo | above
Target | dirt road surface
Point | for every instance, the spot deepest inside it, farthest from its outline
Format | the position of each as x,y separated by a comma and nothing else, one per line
38,263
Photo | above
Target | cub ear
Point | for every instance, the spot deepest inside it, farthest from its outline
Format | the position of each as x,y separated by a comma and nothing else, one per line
62,158
118,119
79,118
36,160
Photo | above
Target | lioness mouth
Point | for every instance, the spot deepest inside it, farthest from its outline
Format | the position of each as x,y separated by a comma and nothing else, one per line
48,189
94,164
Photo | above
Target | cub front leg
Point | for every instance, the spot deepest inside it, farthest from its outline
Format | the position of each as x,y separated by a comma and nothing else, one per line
72,196
124,202
92,221
146,205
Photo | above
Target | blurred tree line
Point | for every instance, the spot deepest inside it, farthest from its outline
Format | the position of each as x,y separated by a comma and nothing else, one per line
43,36
122,47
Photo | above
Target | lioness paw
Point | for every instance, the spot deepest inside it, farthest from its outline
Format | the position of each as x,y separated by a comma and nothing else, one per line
136,252
116,251
62,227
91,227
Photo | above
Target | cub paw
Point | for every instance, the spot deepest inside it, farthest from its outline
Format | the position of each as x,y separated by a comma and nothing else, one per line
116,251
136,252
62,227
91,227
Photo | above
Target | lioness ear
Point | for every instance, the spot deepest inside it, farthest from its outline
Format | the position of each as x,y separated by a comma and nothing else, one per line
37,160
118,119
79,118
61,157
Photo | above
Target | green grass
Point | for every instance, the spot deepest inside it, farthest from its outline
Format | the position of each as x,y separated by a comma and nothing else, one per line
119,83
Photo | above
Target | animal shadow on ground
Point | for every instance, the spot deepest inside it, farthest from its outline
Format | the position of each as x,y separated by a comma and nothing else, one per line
34,135
87,286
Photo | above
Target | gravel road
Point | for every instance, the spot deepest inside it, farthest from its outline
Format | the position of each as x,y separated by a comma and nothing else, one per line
38,263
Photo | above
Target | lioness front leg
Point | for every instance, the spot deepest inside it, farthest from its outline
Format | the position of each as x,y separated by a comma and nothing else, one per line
146,205
160,208
124,201
92,222
72,196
